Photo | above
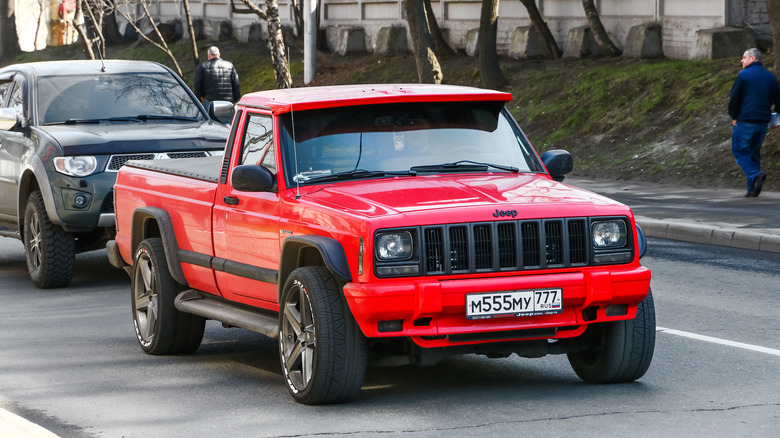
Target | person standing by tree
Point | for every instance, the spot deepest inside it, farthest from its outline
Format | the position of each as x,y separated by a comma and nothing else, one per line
216,79
750,106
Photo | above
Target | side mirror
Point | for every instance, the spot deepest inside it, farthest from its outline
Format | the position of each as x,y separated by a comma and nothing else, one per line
221,111
252,178
9,119
558,162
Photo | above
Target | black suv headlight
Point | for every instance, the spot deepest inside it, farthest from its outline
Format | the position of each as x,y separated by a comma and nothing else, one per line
76,166
612,242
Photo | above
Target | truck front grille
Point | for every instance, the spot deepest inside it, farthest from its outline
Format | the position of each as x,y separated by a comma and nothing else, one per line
505,246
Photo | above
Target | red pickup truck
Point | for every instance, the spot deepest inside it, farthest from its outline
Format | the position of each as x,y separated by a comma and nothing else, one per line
383,224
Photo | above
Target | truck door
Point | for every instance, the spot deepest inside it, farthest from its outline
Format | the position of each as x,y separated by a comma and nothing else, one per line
246,224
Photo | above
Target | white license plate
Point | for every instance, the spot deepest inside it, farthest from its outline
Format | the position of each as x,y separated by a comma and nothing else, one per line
514,303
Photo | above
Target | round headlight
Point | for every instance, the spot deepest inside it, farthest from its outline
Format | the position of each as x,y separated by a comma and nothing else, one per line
75,166
394,246
609,234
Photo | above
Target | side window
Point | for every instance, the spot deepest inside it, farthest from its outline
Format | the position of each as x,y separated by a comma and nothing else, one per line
17,101
5,89
258,144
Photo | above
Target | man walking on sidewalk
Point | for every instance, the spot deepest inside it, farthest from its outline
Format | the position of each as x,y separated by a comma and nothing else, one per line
216,79
750,106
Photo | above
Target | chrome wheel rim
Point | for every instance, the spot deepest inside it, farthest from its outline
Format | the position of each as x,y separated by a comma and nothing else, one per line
298,338
34,241
145,299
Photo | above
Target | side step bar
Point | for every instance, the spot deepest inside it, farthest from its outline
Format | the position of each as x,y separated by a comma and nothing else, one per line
211,307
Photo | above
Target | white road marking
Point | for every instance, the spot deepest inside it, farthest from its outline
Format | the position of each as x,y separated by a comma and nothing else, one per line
766,350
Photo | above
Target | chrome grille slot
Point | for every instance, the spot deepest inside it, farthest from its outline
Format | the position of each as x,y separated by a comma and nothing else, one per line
117,161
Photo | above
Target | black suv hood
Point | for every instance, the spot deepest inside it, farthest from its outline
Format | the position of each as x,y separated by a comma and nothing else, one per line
100,139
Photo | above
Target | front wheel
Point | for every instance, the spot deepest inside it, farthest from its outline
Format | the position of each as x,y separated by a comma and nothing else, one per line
50,250
321,348
618,351
159,326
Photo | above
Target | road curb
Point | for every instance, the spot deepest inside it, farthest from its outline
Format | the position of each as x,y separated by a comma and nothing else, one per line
708,234
12,425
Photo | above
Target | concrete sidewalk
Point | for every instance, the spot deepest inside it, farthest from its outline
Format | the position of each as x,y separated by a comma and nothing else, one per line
712,216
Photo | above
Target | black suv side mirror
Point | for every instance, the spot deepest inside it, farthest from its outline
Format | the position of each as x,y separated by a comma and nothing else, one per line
221,111
252,178
9,119
558,162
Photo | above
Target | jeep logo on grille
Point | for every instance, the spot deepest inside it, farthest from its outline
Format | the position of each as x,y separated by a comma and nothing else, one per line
505,213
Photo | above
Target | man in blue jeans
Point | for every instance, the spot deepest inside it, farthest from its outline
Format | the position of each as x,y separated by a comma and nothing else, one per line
750,106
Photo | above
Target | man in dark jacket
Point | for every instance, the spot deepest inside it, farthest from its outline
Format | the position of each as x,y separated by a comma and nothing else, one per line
216,79
750,106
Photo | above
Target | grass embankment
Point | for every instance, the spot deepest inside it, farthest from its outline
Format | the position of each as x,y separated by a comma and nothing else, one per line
659,120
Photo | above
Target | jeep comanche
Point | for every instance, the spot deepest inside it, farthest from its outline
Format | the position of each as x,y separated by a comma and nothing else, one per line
383,224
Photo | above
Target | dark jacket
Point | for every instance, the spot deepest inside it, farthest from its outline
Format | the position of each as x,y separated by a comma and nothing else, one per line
754,92
217,79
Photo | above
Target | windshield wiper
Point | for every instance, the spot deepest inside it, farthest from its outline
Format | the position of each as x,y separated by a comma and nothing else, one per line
165,117
463,166
75,121
359,173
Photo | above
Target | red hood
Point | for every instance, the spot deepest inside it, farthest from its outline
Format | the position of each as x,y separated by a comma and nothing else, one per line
529,195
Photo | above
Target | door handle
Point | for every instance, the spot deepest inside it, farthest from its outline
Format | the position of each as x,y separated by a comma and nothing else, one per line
229,200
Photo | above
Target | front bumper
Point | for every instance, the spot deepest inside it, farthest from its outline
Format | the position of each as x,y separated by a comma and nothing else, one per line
432,312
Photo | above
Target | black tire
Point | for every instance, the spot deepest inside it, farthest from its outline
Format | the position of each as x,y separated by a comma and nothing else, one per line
321,348
50,250
159,326
618,351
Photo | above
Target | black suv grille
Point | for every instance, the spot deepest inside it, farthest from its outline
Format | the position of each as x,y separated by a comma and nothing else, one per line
117,161
505,246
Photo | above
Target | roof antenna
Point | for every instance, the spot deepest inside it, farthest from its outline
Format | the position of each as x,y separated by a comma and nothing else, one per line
297,177
95,39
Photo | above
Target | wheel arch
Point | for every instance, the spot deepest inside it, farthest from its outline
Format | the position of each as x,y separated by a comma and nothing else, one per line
312,250
156,222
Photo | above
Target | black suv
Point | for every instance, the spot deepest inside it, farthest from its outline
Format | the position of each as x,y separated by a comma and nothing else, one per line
66,127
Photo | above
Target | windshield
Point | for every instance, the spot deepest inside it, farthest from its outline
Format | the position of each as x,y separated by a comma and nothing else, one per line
396,139
128,96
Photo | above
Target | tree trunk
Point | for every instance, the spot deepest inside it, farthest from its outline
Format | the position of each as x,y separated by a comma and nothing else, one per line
773,9
85,41
443,50
276,45
538,23
428,68
93,14
490,71
191,31
599,34
8,35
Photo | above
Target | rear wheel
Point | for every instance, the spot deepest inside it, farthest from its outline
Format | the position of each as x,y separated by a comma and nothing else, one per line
321,348
618,351
50,250
159,326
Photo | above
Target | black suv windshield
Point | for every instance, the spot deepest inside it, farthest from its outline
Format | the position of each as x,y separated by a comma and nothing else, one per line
397,139
129,97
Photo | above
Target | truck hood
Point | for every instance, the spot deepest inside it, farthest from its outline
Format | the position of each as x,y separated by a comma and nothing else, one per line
137,137
493,196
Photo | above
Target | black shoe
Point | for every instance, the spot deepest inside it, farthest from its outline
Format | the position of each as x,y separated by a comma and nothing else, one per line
750,195
759,183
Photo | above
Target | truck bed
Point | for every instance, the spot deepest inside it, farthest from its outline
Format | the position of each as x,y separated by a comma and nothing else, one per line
203,168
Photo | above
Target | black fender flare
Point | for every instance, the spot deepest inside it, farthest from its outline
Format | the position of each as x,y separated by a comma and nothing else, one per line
142,217
330,249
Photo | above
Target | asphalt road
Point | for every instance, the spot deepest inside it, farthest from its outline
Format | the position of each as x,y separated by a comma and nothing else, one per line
70,362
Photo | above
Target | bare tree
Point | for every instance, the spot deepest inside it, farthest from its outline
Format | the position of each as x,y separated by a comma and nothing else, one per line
773,9
191,31
490,70
8,34
161,44
606,45
94,12
85,41
275,38
428,68
538,23
443,50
